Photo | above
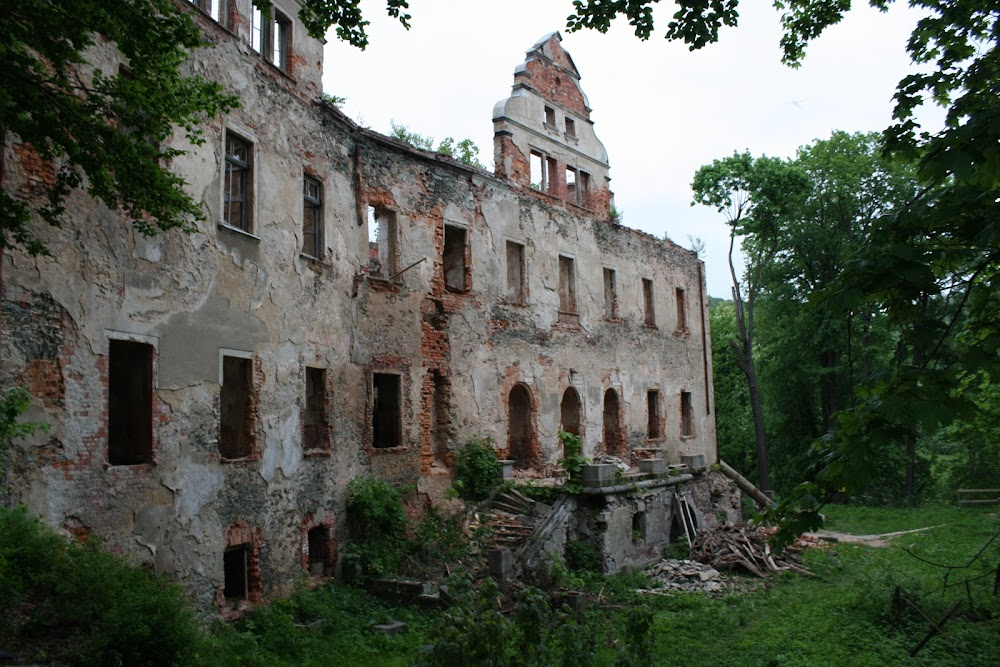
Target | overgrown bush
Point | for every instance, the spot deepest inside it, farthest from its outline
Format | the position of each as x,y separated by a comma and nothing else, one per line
69,603
573,459
377,522
583,557
477,469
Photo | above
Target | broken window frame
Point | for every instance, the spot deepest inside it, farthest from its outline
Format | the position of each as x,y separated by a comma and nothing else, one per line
395,427
133,381
567,285
271,36
648,303
687,415
312,217
215,9
517,282
238,172
448,265
653,430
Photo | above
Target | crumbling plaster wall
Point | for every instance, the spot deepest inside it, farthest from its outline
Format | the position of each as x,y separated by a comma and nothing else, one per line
193,296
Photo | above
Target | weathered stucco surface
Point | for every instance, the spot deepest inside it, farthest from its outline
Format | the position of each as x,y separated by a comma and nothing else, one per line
458,352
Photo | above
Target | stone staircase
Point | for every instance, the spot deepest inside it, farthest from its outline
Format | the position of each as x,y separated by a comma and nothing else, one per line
512,519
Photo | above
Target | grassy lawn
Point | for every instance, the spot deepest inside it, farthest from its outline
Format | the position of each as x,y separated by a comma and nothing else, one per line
841,616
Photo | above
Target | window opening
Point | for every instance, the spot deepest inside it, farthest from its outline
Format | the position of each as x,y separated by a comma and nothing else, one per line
653,414
258,30
440,416
318,539
281,33
550,116
570,126
572,193
238,185
638,527
314,434
235,407
515,272
551,171
569,411
387,421
236,573
681,314
539,179
567,285
687,415
312,217
613,442
130,403
383,242
519,426
610,295
647,302
584,189
454,258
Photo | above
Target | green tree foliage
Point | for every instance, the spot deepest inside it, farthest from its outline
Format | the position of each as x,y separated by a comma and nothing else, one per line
465,151
377,521
109,132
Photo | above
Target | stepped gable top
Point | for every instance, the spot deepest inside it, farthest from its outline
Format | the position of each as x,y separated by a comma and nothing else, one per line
550,71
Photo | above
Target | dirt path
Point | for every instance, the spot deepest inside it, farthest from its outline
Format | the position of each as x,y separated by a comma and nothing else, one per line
869,540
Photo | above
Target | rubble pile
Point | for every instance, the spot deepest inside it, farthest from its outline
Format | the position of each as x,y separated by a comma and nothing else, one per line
683,575
746,547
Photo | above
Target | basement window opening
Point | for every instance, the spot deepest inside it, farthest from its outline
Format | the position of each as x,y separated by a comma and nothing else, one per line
455,267
638,527
130,403
318,540
236,572
235,402
387,417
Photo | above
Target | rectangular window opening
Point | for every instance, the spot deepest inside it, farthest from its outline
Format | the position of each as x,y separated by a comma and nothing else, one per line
315,429
653,414
687,415
281,37
515,272
455,267
567,285
550,170
647,302
610,295
570,126
550,116
572,192
584,198
312,217
383,243
387,412
258,30
681,312
236,572
130,403
319,553
238,197
539,179
235,439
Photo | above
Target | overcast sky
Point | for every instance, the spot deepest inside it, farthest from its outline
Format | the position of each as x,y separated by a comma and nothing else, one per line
660,110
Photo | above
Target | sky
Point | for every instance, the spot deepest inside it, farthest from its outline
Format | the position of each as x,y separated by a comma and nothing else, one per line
661,110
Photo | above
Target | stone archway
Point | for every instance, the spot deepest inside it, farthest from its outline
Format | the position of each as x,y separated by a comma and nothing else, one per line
614,441
569,411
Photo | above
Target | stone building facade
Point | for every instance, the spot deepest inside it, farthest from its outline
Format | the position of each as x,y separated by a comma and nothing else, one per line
354,306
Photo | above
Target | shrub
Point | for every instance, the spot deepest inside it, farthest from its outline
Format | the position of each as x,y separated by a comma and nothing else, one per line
77,604
377,521
582,557
477,469
573,459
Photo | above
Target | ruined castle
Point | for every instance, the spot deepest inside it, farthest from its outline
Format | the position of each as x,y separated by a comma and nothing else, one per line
353,306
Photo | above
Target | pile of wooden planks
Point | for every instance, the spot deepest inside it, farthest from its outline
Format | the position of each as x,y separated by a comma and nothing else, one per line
730,547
